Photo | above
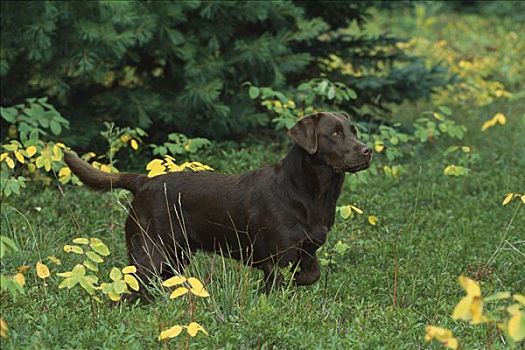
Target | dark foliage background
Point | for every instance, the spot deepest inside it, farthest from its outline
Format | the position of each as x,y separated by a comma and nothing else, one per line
180,66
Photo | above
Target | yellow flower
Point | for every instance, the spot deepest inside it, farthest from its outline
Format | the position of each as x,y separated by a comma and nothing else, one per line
470,308
442,335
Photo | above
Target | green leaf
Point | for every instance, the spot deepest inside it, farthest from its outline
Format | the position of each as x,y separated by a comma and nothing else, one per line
345,211
445,110
497,296
55,127
78,271
120,286
106,287
99,247
8,114
90,265
6,244
115,274
94,257
253,92
352,94
68,283
81,240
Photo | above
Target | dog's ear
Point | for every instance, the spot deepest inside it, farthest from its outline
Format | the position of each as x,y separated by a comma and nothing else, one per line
304,133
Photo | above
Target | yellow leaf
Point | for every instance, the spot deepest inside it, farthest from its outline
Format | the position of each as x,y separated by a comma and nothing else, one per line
105,168
462,309
20,157
356,209
73,249
47,164
3,328
81,240
193,328
500,118
516,327
178,292
3,156
508,198
170,332
129,269
23,268
471,287
465,149
443,335
54,260
173,281
42,271
197,288
519,298
156,167
114,296
65,171
379,147
372,220
345,212
476,308
488,124
61,145
131,281
134,144
513,309
10,163
20,279
437,116
125,138
523,198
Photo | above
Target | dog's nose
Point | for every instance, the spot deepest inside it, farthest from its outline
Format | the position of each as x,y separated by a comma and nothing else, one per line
366,151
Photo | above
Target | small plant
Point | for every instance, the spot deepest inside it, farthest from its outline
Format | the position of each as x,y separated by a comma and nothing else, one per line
179,144
471,308
429,130
84,274
190,286
316,94
118,138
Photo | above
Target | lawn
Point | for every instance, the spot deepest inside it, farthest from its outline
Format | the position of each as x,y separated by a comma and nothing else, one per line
380,291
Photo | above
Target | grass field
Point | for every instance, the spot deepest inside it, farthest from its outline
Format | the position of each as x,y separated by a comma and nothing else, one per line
393,279
432,227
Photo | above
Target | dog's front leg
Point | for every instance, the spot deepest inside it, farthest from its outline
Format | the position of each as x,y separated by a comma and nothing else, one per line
272,276
310,271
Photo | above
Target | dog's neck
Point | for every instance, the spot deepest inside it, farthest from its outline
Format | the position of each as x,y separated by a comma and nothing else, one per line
308,173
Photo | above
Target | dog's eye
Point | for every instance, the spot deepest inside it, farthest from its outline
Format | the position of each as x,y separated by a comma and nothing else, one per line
335,133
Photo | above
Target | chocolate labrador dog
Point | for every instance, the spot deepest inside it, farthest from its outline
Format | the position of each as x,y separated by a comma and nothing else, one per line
267,218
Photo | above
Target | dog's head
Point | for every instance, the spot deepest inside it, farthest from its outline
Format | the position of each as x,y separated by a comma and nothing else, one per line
331,138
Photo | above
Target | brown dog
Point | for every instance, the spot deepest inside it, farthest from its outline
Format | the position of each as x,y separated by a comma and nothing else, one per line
267,218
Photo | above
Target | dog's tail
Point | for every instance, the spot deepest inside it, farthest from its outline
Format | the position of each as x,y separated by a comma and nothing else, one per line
102,181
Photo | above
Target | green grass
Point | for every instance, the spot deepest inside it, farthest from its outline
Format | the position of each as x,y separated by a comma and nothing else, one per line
435,227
